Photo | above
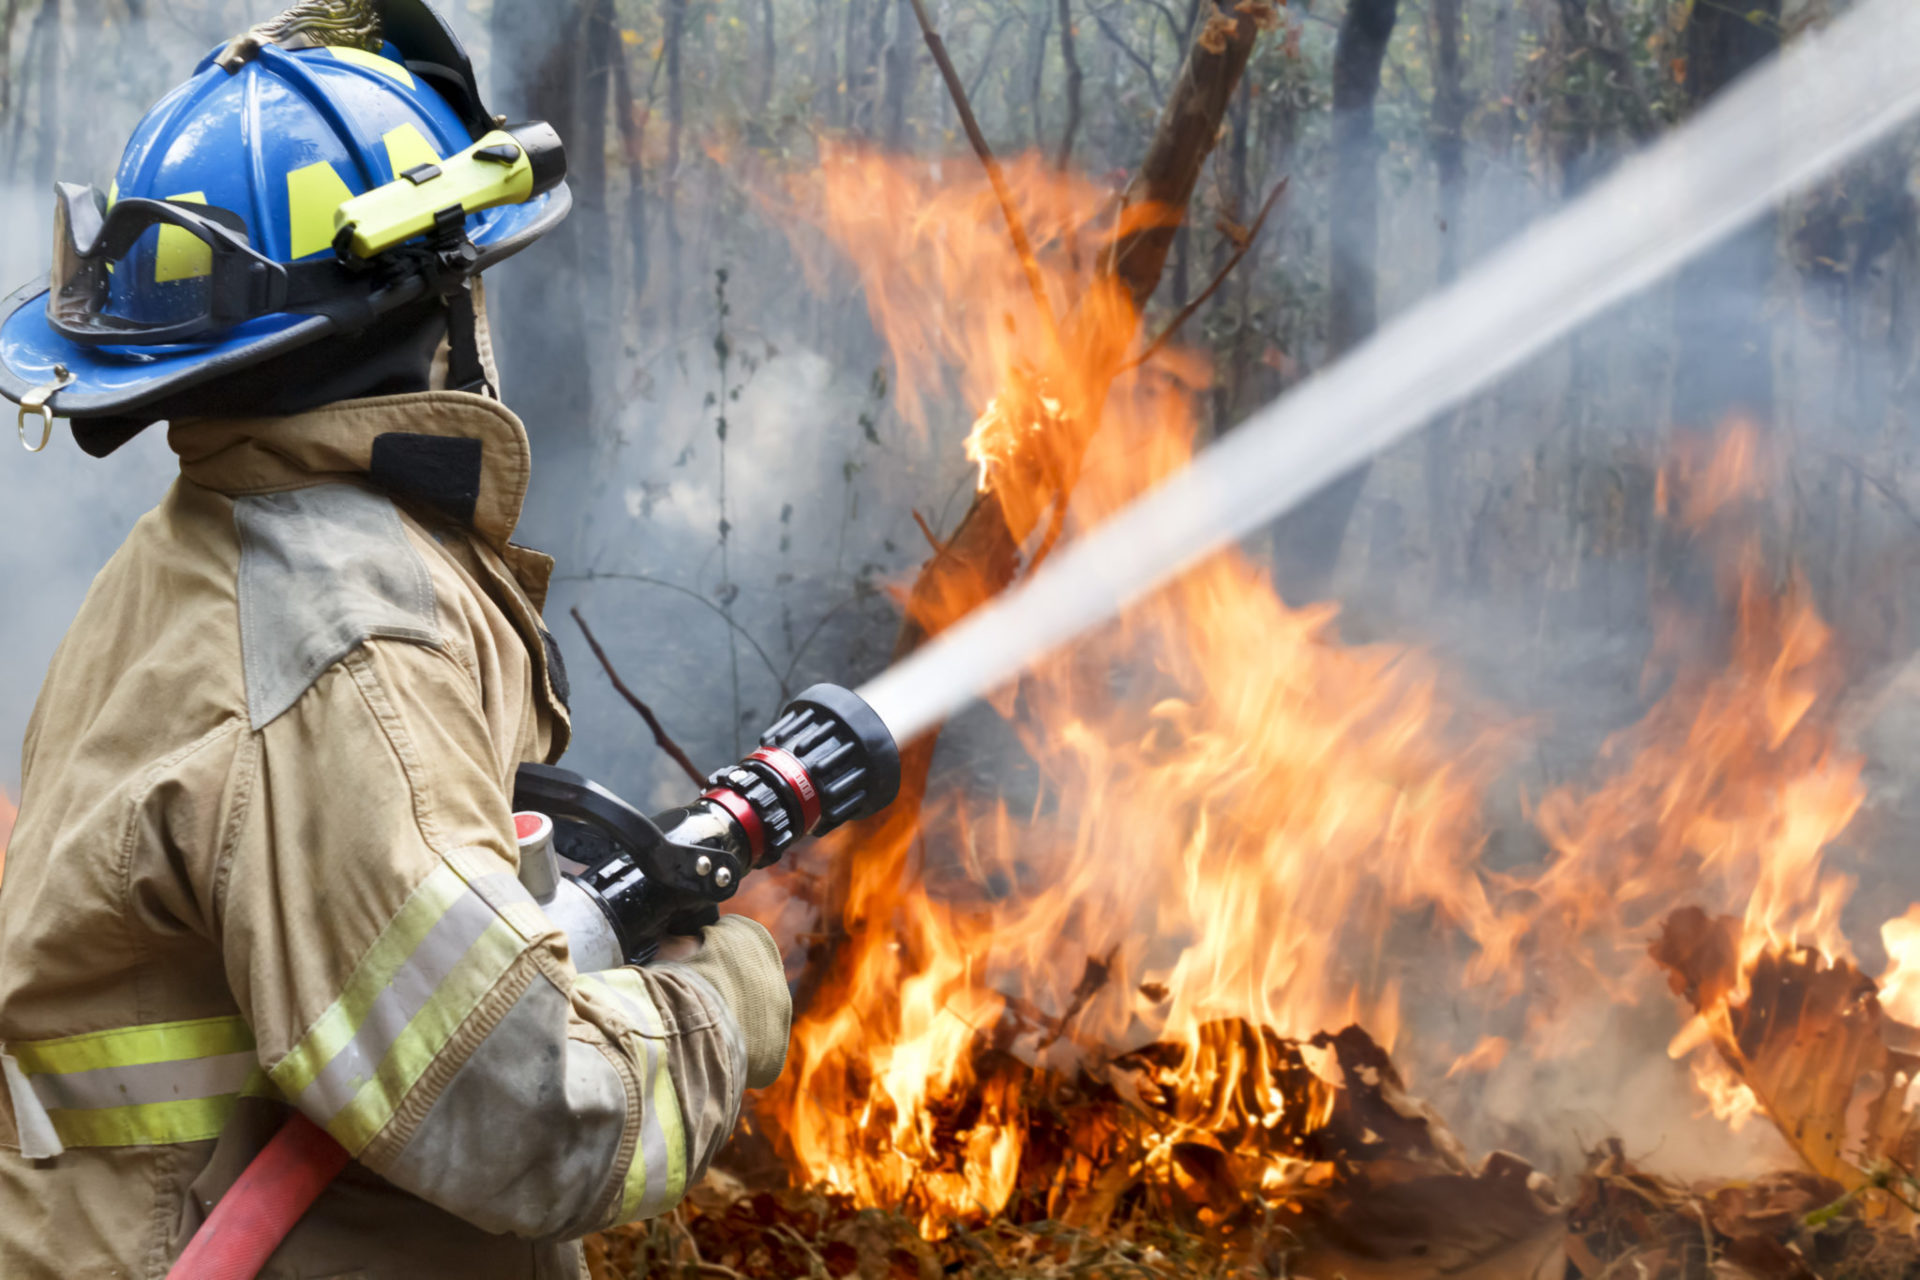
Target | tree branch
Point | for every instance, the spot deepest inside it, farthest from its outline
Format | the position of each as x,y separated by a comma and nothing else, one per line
661,737
1015,228
594,575
1192,308
1182,139
927,531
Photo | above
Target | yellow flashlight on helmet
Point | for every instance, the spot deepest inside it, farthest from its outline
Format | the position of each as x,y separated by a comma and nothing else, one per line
504,166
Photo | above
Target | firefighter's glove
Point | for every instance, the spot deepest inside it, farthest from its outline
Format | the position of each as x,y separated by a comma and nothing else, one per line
741,961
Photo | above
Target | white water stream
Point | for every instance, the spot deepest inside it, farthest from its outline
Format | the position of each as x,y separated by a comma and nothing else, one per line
1803,113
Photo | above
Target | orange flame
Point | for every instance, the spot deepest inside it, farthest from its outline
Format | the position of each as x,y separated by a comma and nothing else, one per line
1485,1056
1727,1096
1732,787
1900,986
1229,838
1230,813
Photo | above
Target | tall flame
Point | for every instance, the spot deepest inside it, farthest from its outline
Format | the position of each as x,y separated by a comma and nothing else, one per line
1229,807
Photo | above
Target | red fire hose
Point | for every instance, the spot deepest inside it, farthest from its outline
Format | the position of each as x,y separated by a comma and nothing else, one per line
263,1204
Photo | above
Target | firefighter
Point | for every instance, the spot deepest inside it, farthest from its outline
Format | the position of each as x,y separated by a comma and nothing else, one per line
265,857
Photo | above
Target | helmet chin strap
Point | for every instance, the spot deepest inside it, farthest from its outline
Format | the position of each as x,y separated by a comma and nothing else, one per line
469,364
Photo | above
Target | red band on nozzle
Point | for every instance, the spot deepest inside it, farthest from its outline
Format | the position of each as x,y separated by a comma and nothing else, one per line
742,813
788,766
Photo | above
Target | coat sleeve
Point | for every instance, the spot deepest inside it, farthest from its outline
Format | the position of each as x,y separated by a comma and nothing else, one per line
410,997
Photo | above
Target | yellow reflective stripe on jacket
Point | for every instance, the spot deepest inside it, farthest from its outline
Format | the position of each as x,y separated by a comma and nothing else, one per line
657,1177
145,1085
133,1046
428,970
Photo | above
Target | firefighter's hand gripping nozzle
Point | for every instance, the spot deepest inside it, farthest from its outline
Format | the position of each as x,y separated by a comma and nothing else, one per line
827,760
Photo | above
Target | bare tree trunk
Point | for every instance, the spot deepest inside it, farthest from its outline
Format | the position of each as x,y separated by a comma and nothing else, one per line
1573,127
849,60
6,57
825,74
1037,79
676,14
1182,140
867,104
1506,45
47,66
547,337
763,83
1449,142
1072,61
1359,54
1307,542
599,48
1449,161
632,115
1229,387
1724,357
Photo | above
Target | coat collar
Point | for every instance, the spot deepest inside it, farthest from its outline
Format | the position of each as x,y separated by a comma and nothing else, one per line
463,453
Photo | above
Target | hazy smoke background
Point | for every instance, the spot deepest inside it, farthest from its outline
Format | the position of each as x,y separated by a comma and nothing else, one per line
1530,571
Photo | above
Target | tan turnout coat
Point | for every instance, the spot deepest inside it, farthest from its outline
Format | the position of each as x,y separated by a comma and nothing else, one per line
264,858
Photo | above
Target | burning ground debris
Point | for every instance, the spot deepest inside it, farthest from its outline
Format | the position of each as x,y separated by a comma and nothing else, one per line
1352,1178
1306,1157
1310,1158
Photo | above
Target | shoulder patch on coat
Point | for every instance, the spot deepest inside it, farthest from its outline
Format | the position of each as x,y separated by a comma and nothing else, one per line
322,571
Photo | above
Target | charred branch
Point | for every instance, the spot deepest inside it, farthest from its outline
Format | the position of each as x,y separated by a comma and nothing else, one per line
1184,138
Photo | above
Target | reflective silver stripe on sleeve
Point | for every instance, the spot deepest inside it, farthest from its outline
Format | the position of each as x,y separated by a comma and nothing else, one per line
408,992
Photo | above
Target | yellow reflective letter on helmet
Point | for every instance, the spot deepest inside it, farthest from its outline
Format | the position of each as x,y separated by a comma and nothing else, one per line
180,255
314,191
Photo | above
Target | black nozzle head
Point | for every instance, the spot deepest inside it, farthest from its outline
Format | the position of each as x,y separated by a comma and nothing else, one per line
545,152
846,749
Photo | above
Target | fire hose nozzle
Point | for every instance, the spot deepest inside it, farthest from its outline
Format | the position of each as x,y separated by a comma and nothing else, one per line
827,760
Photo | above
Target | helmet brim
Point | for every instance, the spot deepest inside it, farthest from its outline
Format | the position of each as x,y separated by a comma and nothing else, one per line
109,381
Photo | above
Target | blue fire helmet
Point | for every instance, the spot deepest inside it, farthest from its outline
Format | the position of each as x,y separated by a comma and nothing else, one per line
214,248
